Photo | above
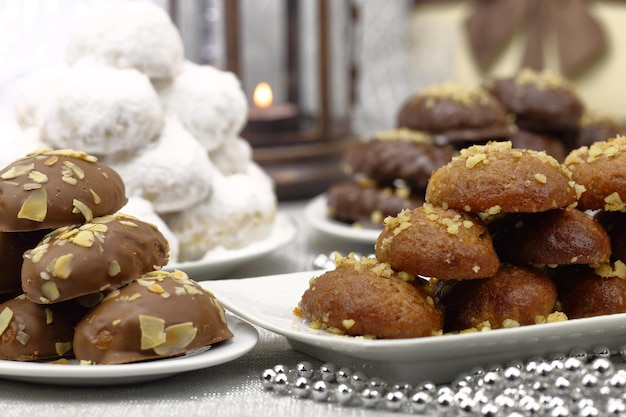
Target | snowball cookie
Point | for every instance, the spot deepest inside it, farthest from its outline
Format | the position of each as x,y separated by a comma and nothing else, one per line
49,189
137,35
159,315
515,296
209,102
436,242
240,211
366,298
584,293
144,211
24,142
233,156
35,94
496,178
173,173
553,237
105,253
601,168
102,110
30,331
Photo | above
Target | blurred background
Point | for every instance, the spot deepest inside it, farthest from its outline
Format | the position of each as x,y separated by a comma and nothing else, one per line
376,54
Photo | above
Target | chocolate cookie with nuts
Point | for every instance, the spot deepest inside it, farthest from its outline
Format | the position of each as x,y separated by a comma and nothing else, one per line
55,188
103,254
159,315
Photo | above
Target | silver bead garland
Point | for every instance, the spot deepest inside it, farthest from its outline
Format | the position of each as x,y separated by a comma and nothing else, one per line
585,384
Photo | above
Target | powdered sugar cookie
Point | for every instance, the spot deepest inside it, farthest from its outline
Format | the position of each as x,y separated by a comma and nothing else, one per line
173,173
102,110
240,211
209,102
35,95
137,35
232,156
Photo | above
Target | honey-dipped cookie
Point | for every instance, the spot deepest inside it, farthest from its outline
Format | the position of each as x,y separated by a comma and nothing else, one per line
601,169
367,298
554,237
161,314
55,188
436,242
103,254
497,178
515,296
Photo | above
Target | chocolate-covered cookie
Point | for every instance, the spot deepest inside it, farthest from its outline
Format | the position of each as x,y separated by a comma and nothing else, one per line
55,188
105,253
12,248
397,155
365,203
540,101
159,315
452,113
30,331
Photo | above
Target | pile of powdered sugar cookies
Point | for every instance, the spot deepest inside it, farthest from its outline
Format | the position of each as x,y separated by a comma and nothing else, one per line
171,129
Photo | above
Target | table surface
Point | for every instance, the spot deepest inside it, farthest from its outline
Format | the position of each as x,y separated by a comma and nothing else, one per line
230,389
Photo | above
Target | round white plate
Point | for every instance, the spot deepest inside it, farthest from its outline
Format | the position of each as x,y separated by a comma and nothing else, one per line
244,339
216,263
316,215
269,303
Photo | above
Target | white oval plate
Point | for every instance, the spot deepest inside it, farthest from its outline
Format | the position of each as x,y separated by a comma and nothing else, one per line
269,302
245,337
218,262
316,215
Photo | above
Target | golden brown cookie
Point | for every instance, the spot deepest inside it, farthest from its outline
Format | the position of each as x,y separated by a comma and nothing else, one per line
497,178
367,298
107,252
601,168
514,296
553,237
435,242
614,222
159,315
452,112
56,188
584,293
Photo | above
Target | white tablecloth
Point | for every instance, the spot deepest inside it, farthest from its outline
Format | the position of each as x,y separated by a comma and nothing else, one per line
231,389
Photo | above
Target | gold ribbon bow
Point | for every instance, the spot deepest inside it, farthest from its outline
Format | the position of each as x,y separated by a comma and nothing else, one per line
579,37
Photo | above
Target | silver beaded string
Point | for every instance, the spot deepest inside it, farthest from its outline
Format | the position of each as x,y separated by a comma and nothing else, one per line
585,384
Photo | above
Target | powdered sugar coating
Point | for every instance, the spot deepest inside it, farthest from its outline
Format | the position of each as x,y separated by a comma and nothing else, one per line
102,110
233,156
137,35
35,94
209,102
241,210
173,173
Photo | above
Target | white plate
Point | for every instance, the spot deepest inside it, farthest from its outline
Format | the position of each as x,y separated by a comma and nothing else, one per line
269,302
216,263
316,215
244,339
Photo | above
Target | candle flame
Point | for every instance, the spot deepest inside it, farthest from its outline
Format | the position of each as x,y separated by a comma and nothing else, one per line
263,96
